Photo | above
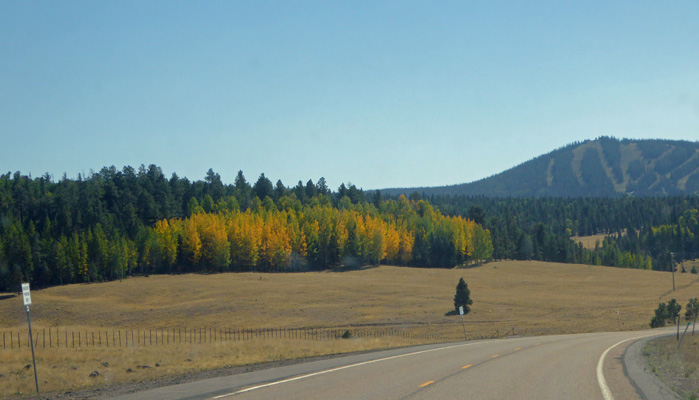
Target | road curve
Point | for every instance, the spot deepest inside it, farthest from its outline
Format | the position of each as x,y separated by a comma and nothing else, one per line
582,366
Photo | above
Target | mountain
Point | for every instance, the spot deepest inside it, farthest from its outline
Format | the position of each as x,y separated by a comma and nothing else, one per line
605,167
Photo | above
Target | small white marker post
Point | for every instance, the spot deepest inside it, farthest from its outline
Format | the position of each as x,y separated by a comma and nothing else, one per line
26,296
618,319
461,311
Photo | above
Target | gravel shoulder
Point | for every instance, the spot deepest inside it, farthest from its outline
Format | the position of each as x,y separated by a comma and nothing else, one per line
660,371
641,375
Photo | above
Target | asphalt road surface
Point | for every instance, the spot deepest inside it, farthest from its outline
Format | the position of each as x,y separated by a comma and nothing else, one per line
583,366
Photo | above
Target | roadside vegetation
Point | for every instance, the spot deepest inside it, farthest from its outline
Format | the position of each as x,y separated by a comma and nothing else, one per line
679,369
675,359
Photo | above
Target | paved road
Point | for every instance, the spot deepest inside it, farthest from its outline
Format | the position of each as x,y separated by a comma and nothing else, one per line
584,366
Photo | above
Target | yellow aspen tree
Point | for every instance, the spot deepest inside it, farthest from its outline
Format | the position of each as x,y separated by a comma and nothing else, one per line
377,247
215,250
80,257
482,244
407,239
297,236
167,241
470,229
279,242
232,224
251,236
363,239
392,245
342,237
311,230
266,246
191,242
459,237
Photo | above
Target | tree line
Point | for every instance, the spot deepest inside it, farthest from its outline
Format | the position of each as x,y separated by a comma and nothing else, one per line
113,224
643,231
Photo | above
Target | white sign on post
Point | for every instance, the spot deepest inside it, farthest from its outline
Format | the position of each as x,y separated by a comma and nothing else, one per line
25,294
461,310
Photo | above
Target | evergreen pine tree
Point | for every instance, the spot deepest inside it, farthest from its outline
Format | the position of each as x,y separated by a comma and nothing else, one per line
673,310
661,315
462,297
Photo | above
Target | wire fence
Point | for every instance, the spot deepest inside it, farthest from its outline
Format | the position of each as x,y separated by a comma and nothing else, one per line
67,338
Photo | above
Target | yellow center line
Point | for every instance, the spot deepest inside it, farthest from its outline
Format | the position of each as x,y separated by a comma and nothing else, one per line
497,355
466,366
426,383
518,348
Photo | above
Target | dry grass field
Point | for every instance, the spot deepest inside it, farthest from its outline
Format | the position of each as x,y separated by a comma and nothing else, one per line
534,298
589,242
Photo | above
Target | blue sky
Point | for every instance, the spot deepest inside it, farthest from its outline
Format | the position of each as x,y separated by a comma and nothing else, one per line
379,94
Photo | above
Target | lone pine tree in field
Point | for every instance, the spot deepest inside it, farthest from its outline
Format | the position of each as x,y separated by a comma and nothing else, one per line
462,297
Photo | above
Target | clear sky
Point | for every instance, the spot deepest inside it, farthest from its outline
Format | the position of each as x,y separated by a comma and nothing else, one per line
375,93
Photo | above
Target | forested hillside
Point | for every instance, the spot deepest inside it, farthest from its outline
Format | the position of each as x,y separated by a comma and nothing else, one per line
606,167
643,230
116,223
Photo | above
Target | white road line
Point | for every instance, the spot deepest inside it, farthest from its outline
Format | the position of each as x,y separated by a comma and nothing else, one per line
606,393
327,371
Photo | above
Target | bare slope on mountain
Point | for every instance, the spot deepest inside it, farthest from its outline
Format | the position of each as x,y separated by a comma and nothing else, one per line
602,167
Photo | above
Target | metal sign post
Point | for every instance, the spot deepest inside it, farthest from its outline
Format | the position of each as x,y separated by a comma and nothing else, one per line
461,311
26,296
685,332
